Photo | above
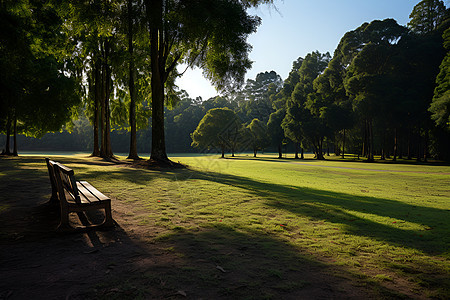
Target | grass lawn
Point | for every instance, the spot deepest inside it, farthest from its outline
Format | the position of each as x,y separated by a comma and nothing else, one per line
384,227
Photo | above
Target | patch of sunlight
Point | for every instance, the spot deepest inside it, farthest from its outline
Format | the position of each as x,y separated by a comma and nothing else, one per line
353,215
386,221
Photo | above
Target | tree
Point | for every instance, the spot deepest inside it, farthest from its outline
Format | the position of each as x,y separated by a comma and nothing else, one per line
257,132
368,79
276,133
303,114
255,99
217,129
426,16
92,37
440,106
210,34
279,100
37,96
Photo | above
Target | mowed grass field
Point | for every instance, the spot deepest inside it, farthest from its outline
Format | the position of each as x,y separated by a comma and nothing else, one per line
385,227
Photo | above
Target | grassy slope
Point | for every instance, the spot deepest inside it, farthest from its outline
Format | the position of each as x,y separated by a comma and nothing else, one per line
380,224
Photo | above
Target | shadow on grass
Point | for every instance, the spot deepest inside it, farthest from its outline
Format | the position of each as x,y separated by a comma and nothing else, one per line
337,208
222,263
348,159
217,262
318,205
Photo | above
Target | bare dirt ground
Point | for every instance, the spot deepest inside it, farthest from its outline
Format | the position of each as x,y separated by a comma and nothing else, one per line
127,262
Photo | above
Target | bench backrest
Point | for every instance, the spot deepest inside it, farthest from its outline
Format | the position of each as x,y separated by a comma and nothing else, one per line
65,182
51,174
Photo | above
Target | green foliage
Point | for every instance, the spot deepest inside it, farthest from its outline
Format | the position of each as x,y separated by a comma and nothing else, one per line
426,16
38,91
219,128
257,133
440,106
276,133
304,110
254,101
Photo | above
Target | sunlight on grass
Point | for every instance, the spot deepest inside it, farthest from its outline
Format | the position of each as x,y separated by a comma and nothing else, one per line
380,222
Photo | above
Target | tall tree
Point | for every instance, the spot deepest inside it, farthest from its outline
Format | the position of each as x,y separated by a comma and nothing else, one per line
440,106
279,100
255,98
426,16
37,96
210,34
131,82
368,50
304,115
94,38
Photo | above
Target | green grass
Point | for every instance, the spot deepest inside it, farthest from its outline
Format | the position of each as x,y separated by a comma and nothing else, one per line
377,224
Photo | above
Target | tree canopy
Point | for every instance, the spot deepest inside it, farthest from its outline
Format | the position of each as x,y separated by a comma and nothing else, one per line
219,129
440,106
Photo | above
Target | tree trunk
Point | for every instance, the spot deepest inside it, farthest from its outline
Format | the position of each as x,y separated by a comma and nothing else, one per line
425,147
365,140
133,143
8,134
409,143
223,152
105,150
320,150
370,156
395,144
296,150
419,147
15,153
109,153
97,96
301,154
255,151
102,111
155,13
158,139
343,145
280,151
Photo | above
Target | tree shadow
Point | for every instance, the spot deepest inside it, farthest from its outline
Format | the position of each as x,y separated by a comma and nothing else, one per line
221,262
361,161
315,204
218,262
342,208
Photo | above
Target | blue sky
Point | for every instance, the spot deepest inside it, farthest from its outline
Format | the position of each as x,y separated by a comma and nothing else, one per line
297,27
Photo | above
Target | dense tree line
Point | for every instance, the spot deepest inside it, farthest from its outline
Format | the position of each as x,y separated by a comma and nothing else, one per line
121,55
385,90
373,97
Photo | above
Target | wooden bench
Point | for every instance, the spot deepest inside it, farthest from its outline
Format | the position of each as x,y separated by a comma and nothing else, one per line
76,196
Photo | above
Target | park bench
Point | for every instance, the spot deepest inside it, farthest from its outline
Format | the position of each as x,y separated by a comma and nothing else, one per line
75,196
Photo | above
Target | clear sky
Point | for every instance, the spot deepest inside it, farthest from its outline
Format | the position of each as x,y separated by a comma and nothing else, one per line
295,28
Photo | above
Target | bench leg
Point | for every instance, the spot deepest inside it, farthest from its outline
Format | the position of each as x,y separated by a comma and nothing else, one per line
64,224
108,216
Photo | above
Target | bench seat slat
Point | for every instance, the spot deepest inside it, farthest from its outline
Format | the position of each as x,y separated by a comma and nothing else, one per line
90,192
